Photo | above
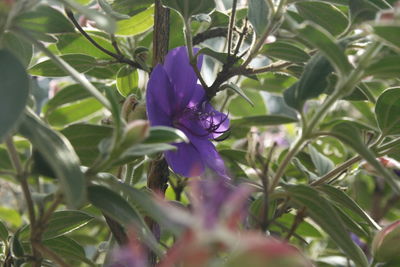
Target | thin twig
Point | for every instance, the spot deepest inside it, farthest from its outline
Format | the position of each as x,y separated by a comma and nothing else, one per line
119,56
241,36
208,34
231,25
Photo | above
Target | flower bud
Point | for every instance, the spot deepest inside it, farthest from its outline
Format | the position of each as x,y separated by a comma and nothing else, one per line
135,132
385,246
133,109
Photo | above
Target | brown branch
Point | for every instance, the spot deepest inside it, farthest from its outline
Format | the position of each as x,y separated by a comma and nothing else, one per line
212,33
120,57
231,26
51,255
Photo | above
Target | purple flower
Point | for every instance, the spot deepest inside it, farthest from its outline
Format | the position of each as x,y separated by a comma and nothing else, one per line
175,99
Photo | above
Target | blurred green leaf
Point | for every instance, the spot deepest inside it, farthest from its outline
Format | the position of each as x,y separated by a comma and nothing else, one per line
350,135
384,68
258,14
325,15
387,111
44,19
323,213
239,91
137,24
127,81
109,11
3,232
14,90
16,249
390,34
19,47
286,51
60,155
362,10
48,68
10,216
240,107
188,8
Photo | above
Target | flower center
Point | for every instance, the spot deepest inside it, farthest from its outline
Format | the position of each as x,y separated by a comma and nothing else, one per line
210,121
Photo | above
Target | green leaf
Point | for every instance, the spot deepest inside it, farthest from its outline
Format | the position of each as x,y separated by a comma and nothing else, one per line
274,82
14,91
362,10
61,223
137,24
321,162
325,15
19,47
68,94
325,215
44,19
16,249
85,138
312,83
343,200
73,43
349,223
68,249
127,81
286,51
384,68
164,134
239,91
48,68
10,216
258,14
350,135
387,111
59,154
74,112
325,43
146,149
390,34
187,8
262,120
3,232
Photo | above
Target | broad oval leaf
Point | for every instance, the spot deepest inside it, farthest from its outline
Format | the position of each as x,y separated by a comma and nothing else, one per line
326,15
285,51
325,215
137,24
61,223
322,163
49,68
59,154
387,111
85,138
390,34
387,67
258,14
44,19
19,47
73,43
14,91
127,81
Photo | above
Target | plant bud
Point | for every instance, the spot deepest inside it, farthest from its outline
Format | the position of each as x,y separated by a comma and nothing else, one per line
385,246
135,132
133,109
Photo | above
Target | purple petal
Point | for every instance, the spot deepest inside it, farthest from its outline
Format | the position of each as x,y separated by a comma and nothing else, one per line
218,119
181,74
199,95
209,155
186,160
159,98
